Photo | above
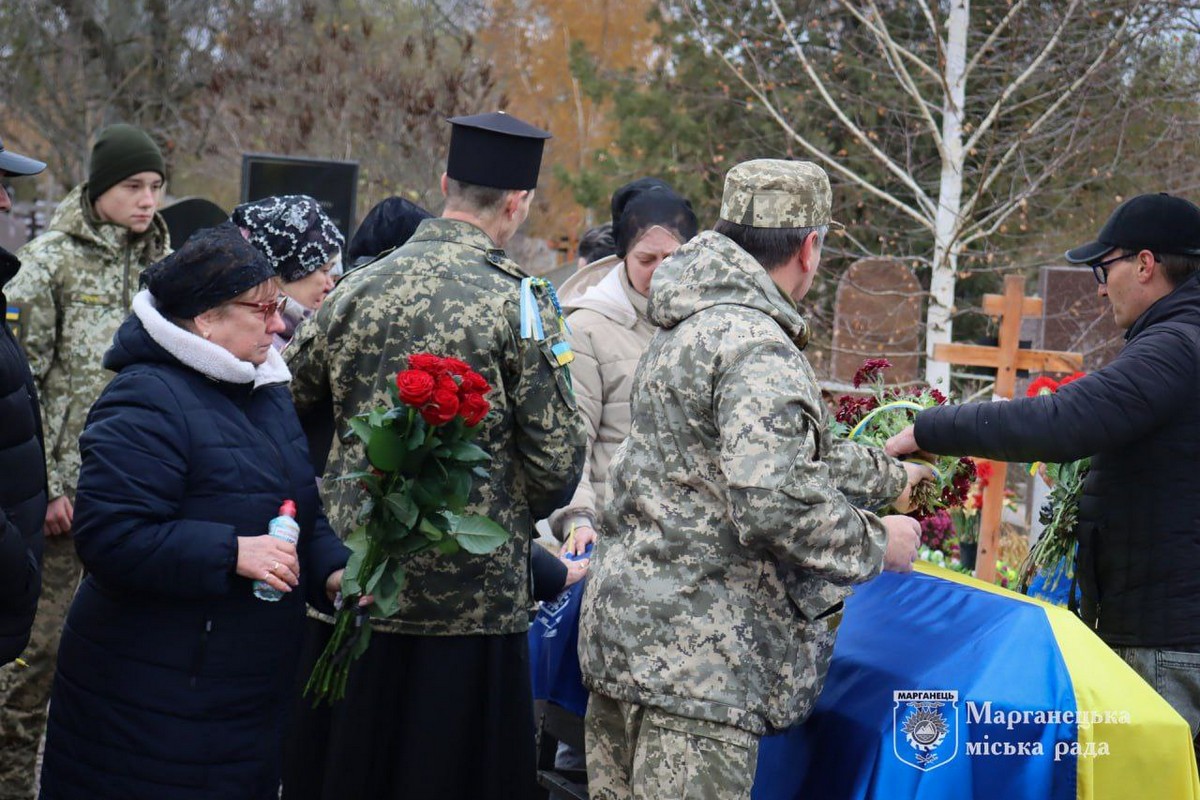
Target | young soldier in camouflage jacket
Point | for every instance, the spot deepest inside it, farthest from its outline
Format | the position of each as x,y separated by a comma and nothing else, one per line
73,291
733,529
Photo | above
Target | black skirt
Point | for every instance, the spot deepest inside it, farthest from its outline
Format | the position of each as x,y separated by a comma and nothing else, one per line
424,717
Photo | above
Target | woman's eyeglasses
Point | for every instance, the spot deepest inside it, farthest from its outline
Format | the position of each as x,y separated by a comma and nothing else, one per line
266,309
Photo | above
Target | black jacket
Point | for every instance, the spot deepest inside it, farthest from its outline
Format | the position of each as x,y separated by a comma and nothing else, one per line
174,680
22,486
1139,518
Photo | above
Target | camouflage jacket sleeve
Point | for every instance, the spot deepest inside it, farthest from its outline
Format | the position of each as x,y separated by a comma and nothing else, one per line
306,358
549,432
866,475
784,496
36,292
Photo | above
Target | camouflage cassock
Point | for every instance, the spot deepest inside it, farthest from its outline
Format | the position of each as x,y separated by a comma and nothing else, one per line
73,291
451,292
732,532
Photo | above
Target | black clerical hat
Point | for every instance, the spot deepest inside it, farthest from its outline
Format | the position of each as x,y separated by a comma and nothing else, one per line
496,150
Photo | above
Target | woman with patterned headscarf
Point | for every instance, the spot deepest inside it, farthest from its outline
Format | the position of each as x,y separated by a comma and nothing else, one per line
303,244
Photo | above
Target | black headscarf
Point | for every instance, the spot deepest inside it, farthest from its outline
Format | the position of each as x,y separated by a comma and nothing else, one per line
644,203
388,225
214,265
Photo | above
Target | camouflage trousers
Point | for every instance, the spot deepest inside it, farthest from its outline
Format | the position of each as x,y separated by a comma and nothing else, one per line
25,691
640,753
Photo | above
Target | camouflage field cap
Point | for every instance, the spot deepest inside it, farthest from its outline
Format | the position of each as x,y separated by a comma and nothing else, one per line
774,193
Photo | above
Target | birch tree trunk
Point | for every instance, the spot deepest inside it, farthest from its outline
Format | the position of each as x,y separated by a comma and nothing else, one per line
947,222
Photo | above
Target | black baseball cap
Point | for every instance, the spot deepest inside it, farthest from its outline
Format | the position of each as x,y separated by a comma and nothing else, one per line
17,164
1161,223
496,150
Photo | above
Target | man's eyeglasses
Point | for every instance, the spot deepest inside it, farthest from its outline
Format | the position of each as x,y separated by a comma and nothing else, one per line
1100,268
266,309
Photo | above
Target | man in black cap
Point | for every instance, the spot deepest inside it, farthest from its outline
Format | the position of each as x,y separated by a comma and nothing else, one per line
440,704
22,459
74,290
1138,418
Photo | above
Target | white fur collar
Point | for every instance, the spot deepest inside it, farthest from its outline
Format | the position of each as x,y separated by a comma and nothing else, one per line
210,360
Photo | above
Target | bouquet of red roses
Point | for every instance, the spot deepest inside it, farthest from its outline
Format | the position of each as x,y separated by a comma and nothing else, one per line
423,464
875,417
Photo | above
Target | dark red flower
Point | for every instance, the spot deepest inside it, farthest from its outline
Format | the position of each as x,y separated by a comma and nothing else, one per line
852,409
1042,385
474,383
427,362
415,387
473,409
938,397
442,407
871,369
456,367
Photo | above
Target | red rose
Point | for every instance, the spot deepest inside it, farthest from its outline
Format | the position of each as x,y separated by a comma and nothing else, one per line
1042,385
473,409
456,367
442,407
446,384
427,362
1074,376
415,387
474,383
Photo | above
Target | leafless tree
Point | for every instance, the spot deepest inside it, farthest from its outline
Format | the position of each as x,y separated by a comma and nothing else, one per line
959,119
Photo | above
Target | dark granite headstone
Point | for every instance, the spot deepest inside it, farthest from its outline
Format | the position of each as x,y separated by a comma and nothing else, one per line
1075,318
334,184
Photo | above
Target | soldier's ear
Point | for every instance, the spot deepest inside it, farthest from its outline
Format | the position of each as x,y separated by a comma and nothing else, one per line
512,203
445,185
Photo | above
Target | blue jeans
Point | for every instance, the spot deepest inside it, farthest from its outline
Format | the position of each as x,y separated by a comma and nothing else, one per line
1175,675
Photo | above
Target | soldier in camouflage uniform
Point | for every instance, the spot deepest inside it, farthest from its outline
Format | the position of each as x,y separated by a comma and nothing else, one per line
440,705
72,293
734,528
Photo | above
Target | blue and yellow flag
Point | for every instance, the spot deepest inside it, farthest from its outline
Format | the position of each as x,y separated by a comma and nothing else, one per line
943,687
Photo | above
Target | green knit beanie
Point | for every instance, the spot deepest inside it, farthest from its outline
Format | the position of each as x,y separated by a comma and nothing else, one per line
121,151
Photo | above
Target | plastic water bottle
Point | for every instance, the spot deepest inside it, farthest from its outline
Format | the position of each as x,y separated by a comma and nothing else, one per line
282,527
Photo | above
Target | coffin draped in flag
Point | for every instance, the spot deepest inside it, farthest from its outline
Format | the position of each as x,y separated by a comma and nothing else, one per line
943,687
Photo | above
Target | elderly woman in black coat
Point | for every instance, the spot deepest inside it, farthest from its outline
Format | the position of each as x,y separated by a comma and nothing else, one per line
173,678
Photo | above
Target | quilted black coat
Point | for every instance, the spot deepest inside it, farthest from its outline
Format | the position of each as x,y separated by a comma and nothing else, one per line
1139,518
22,487
173,679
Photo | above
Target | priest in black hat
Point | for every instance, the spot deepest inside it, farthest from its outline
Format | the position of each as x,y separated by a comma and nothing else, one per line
440,703
1138,529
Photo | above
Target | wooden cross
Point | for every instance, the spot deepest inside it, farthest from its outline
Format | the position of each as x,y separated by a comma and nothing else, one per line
1006,358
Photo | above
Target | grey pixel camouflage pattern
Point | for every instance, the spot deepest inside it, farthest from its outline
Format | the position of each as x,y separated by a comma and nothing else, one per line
773,193
729,544
644,753
449,291
73,291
